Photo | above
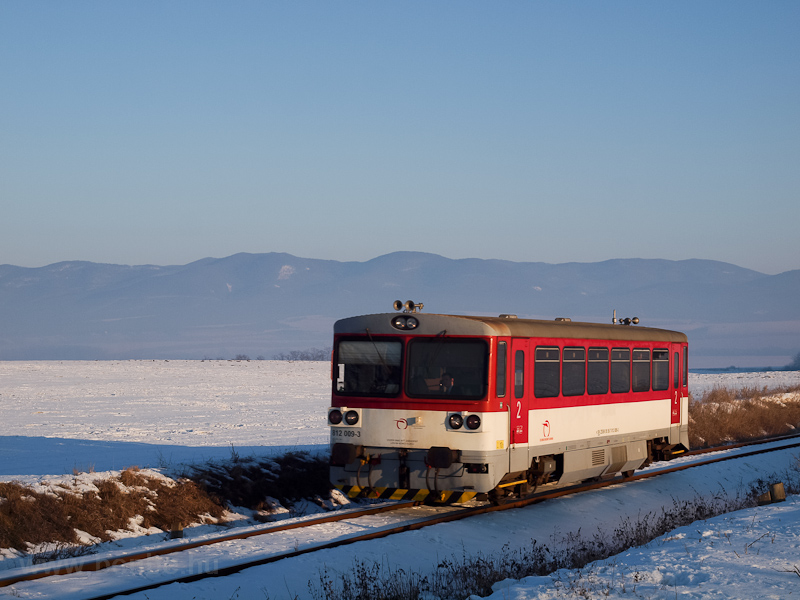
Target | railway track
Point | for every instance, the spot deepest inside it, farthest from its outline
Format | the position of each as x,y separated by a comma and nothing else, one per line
210,556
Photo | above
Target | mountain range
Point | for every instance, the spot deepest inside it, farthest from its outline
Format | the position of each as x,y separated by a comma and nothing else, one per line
267,304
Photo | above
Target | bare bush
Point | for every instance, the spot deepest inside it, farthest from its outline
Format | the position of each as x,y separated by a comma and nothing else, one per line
723,416
248,482
61,551
318,354
459,578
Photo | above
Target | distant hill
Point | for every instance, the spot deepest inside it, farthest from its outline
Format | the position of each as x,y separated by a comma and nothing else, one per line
266,304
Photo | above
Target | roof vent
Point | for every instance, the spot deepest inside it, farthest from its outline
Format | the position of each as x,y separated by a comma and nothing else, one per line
504,316
563,319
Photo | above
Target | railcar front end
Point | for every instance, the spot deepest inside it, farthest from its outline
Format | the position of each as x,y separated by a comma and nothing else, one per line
411,414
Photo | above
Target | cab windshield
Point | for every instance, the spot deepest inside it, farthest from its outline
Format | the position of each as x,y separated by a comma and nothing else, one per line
434,368
441,367
368,367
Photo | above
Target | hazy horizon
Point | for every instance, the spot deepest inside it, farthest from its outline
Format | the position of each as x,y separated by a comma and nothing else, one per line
159,133
164,264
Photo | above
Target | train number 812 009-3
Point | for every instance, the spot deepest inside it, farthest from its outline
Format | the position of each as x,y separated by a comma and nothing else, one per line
345,433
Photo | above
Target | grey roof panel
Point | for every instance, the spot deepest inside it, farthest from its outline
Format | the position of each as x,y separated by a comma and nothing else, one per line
434,324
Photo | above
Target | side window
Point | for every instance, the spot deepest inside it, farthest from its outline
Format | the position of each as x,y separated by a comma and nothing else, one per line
660,369
500,384
545,375
620,370
685,366
519,374
573,372
676,371
641,370
597,380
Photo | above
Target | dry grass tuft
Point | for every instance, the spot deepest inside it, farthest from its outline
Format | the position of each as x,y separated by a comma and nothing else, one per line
27,516
723,416
30,517
135,499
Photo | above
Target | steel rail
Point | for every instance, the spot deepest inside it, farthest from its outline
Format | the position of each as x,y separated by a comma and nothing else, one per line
379,533
122,558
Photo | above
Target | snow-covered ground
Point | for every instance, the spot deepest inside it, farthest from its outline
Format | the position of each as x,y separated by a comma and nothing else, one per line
751,553
61,418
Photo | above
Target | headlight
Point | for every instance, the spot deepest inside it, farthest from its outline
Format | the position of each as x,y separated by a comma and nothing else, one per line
456,421
473,422
335,416
351,417
404,323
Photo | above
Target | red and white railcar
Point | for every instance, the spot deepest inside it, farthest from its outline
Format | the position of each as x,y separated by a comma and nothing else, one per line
455,406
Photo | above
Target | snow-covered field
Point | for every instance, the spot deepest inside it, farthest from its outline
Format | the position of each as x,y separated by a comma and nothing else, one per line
61,418
747,554
58,417
699,383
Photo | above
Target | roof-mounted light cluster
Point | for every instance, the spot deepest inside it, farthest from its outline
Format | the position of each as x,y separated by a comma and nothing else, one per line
405,323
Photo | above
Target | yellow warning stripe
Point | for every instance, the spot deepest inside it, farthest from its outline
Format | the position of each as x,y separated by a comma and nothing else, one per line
354,491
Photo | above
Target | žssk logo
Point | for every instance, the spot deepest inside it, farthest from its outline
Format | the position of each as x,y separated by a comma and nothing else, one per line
546,429
401,423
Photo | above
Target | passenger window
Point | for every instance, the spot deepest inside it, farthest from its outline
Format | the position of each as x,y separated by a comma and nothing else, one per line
660,369
519,374
620,370
641,370
573,372
500,384
597,380
545,376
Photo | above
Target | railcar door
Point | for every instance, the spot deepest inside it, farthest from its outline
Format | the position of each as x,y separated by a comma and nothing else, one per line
678,367
519,400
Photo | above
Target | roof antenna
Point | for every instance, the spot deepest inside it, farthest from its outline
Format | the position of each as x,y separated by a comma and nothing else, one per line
625,321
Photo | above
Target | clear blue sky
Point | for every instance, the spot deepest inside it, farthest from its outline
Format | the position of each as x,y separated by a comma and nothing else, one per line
165,132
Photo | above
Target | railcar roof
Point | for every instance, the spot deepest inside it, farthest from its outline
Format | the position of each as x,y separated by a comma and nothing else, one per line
436,324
